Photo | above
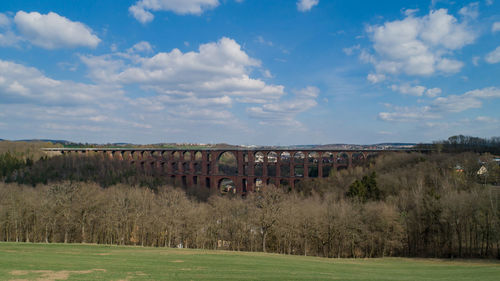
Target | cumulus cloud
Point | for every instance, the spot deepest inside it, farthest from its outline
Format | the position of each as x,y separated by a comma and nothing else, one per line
418,45
434,92
21,84
493,56
141,47
440,106
468,100
191,94
217,69
407,114
349,51
4,20
8,38
306,5
375,77
284,112
470,11
406,89
141,9
52,31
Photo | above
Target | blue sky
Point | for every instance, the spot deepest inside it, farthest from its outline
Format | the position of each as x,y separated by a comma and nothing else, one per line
249,71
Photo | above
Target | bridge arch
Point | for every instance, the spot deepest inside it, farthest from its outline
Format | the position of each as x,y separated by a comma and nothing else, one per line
226,186
186,156
272,157
358,158
227,163
299,157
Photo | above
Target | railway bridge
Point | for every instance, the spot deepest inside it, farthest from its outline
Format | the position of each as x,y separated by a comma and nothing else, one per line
235,170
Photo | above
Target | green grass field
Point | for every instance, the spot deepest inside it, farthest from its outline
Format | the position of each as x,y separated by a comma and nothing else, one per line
24,261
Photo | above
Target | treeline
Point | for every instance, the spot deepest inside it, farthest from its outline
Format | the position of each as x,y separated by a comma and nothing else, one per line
404,204
461,143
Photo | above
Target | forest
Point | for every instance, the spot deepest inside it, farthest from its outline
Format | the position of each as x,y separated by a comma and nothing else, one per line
401,204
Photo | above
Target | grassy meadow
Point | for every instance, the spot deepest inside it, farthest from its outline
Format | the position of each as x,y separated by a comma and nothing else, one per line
25,261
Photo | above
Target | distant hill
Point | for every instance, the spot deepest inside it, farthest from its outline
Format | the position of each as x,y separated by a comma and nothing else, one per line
47,140
388,145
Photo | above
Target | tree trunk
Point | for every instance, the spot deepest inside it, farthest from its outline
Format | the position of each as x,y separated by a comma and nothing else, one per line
264,235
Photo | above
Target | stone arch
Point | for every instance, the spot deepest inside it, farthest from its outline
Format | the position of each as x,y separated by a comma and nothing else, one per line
299,157
259,157
313,157
227,163
258,168
198,156
285,160
328,157
370,158
272,163
298,171
358,158
226,186
313,160
186,156
258,184
197,168
272,157
166,155
175,156
186,168
342,159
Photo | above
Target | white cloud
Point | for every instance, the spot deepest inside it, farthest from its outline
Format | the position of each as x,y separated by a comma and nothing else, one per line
406,89
141,14
53,31
375,78
307,92
262,41
493,56
306,5
441,105
475,60
349,51
495,27
192,93
267,73
140,10
217,69
4,21
449,65
416,45
141,47
7,37
471,99
21,84
408,114
454,103
470,11
284,112
434,92
487,119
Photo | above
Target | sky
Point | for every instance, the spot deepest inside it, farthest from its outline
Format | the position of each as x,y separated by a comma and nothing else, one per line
249,72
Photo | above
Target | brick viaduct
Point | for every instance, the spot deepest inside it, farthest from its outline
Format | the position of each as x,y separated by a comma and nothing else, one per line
251,168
